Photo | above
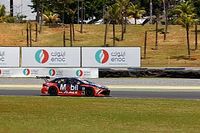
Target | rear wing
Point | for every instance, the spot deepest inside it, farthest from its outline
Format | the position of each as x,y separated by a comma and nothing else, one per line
46,78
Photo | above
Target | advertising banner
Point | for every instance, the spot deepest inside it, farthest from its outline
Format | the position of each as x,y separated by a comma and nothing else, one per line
111,57
9,56
51,57
51,72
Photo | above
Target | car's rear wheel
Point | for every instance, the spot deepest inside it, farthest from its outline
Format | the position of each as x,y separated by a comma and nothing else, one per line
89,92
53,91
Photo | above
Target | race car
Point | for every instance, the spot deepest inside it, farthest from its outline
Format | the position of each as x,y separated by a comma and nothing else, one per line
69,86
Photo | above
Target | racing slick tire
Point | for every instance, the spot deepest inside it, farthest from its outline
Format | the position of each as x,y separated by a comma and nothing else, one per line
53,91
89,92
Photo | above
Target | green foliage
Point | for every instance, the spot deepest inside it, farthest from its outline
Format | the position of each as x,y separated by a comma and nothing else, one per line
114,13
185,13
135,11
9,19
50,17
2,10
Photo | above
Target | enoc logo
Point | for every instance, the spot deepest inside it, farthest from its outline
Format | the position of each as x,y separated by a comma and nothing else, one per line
26,72
102,56
52,72
41,56
79,73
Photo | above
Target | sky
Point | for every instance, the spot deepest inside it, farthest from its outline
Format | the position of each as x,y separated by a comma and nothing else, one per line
20,6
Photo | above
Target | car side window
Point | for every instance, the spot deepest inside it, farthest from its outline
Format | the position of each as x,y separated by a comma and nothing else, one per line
67,81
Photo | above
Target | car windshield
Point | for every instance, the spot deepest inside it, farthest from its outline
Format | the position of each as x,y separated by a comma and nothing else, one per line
85,81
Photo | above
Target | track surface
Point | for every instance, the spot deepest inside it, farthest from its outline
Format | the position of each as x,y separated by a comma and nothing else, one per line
123,88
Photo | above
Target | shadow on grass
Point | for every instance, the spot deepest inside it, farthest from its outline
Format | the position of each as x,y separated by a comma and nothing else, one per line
198,31
182,57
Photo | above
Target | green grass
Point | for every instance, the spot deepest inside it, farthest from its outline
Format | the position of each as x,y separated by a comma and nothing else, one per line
99,115
171,52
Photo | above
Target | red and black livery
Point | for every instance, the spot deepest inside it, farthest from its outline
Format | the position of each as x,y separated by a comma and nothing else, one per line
69,86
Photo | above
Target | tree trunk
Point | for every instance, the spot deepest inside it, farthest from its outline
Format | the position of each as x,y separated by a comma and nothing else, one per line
125,22
70,25
64,40
73,30
145,45
156,44
188,40
165,15
151,11
122,30
105,35
11,8
82,17
38,11
135,21
113,34
196,37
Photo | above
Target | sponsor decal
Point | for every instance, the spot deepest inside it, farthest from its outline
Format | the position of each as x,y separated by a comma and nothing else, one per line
102,56
79,73
52,72
0,71
58,57
114,57
41,56
26,72
118,57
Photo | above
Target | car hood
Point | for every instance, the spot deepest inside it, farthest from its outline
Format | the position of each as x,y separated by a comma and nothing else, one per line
99,86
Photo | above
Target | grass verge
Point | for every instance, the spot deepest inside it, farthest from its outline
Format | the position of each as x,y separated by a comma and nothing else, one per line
100,115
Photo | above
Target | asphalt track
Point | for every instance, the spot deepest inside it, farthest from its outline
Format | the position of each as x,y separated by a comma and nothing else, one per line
120,87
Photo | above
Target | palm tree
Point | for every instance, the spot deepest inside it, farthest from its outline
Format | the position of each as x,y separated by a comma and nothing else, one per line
114,15
135,11
50,18
186,15
106,20
123,5
71,13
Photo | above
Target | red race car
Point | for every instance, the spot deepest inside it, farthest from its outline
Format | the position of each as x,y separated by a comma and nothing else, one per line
66,86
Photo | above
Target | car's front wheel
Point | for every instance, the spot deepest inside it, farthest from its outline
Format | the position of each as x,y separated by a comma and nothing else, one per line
89,92
53,91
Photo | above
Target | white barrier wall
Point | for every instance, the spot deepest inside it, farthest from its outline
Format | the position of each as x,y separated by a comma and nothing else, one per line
52,72
9,56
111,57
51,57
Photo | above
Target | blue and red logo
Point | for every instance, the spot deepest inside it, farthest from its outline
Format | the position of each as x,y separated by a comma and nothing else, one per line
79,73
102,56
52,72
26,72
41,56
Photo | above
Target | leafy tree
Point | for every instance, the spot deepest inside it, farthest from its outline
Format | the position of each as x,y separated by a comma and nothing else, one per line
51,18
2,10
95,7
123,5
135,11
114,15
186,15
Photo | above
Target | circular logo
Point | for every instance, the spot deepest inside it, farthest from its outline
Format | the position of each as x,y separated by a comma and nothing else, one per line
79,73
102,56
41,56
26,72
52,72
